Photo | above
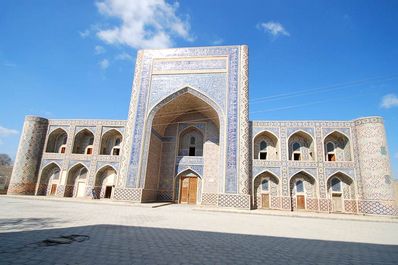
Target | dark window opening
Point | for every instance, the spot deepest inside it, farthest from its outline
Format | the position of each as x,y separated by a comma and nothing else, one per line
116,152
296,157
263,156
191,151
63,150
331,157
89,151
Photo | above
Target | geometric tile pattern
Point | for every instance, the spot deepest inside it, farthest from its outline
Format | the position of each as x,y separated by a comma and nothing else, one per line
234,201
128,194
209,199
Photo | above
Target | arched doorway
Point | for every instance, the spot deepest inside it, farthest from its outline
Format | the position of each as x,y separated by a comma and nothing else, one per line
76,181
104,182
188,184
183,130
341,191
49,180
303,192
266,190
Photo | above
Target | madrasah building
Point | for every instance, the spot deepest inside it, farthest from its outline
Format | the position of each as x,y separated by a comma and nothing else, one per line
188,139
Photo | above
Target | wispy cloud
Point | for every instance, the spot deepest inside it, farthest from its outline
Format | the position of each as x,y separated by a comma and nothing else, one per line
124,57
389,101
218,41
84,34
104,64
144,23
99,49
4,132
10,65
273,28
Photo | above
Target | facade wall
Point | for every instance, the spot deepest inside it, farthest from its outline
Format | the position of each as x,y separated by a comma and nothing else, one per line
155,152
68,160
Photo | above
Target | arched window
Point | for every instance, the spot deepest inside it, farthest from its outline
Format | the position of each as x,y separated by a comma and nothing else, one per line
191,143
296,155
263,150
336,185
265,185
299,186
331,152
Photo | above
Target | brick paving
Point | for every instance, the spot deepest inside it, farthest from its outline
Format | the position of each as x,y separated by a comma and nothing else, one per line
175,234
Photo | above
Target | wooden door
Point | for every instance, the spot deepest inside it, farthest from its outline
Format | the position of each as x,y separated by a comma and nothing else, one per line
265,201
184,190
193,186
337,204
188,191
53,189
300,202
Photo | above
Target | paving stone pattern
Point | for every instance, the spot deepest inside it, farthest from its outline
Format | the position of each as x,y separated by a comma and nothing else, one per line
175,234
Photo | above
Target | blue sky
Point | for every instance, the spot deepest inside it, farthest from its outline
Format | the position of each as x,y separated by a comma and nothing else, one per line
332,60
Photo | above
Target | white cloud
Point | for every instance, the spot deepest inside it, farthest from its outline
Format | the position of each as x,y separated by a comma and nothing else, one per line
99,49
144,23
389,101
274,28
218,42
84,34
104,64
124,57
7,132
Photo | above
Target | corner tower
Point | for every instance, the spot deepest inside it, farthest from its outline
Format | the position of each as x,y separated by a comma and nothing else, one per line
27,163
375,170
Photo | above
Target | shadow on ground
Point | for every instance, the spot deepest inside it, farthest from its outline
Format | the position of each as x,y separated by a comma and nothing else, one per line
113,244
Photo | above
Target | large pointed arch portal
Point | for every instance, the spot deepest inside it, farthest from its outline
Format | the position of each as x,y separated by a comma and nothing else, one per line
186,120
217,78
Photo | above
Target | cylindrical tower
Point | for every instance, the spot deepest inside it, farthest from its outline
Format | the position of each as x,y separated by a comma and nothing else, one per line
375,170
30,150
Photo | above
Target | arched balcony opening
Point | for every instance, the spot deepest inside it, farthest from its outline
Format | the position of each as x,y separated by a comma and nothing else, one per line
266,146
111,143
84,141
56,142
301,147
337,147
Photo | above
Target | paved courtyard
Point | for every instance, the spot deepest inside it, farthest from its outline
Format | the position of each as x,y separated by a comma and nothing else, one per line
104,233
